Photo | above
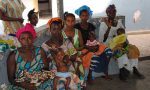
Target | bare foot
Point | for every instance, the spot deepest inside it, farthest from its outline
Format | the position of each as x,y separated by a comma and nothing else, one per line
108,78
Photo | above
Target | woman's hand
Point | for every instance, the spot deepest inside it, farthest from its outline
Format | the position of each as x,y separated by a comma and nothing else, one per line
29,86
20,20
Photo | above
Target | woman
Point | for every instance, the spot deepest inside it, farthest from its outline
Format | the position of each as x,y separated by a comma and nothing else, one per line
84,12
11,15
98,53
85,27
75,36
108,28
25,61
58,41
70,32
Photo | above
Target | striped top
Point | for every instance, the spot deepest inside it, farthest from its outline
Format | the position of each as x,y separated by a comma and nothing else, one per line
12,8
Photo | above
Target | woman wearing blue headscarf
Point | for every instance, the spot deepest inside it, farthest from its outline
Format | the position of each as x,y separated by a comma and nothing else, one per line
84,12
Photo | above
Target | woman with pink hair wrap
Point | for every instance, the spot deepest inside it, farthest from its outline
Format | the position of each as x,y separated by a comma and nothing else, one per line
28,59
27,28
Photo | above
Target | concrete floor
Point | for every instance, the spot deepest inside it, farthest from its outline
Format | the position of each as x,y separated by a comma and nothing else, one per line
132,83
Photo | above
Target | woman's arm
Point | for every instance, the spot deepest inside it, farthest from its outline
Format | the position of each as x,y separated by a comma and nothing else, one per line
45,60
80,40
11,69
6,18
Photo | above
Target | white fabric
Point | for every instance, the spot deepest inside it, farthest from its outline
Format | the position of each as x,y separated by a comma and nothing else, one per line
1,28
92,43
63,74
123,61
113,31
133,63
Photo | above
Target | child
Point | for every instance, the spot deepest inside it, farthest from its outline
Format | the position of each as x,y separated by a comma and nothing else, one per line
32,17
126,55
100,53
62,68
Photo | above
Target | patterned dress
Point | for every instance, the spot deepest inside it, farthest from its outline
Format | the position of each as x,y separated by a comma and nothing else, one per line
11,8
78,63
35,66
69,50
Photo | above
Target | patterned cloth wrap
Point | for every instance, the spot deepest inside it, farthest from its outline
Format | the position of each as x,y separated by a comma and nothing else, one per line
36,77
120,51
119,45
8,42
32,72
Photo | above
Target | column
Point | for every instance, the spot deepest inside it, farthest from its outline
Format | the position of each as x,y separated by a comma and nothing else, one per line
57,8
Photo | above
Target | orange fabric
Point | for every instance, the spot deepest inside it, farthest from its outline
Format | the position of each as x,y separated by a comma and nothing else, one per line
86,59
101,49
55,19
133,52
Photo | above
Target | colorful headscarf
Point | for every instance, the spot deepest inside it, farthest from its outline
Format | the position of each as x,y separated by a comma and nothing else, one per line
84,7
27,28
56,19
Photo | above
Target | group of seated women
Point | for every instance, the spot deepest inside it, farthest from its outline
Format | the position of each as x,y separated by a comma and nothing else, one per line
72,53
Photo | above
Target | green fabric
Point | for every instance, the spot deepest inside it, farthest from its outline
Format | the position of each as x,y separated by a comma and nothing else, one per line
68,46
76,42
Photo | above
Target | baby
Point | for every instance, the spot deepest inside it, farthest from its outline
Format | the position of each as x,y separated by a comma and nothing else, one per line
62,68
93,48
126,55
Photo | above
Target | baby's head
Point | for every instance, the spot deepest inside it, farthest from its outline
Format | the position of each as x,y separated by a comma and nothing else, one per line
55,42
92,36
120,31
58,54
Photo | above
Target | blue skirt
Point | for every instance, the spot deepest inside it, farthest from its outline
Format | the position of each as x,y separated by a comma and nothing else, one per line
100,63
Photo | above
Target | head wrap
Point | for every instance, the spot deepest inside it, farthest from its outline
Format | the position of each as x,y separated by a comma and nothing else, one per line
56,19
111,8
27,28
84,7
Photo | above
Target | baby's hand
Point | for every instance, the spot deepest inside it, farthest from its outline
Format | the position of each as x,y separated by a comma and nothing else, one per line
95,53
